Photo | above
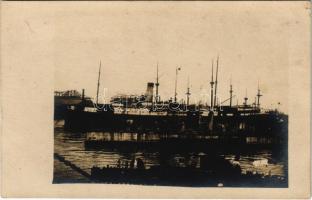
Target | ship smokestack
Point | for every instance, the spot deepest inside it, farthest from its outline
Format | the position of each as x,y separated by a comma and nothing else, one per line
149,92
245,99
83,94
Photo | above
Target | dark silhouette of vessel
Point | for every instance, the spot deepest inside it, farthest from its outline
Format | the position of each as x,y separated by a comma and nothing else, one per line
213,171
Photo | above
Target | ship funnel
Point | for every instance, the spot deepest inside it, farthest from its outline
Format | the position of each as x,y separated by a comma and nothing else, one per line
83,94
149,92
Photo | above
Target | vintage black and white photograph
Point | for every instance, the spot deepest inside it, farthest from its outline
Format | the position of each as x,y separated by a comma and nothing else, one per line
165,95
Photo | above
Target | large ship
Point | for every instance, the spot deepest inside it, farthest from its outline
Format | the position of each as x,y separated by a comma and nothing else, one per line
148,113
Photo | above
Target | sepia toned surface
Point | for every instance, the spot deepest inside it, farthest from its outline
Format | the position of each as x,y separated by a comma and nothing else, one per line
46,44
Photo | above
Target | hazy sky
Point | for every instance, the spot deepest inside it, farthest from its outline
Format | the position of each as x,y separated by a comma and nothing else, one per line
130,38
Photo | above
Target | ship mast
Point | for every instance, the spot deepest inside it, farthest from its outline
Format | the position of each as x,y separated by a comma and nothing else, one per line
98,85
157,85
176,82
211,83
216,83
188,93
258,97
231,92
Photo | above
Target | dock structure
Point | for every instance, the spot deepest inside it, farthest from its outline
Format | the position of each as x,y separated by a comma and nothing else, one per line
72,166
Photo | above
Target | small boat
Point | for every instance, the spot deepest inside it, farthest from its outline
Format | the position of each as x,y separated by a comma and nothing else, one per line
212,175
212,170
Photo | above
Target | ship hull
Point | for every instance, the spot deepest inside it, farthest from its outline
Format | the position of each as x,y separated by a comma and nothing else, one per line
267,127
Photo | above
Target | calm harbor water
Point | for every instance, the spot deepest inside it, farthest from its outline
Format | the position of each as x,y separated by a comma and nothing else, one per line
71,146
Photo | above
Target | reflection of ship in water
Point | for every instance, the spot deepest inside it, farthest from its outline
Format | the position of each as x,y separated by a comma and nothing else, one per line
260,166
191,142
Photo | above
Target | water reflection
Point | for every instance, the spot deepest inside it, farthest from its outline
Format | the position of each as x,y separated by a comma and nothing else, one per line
71,146
110,136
